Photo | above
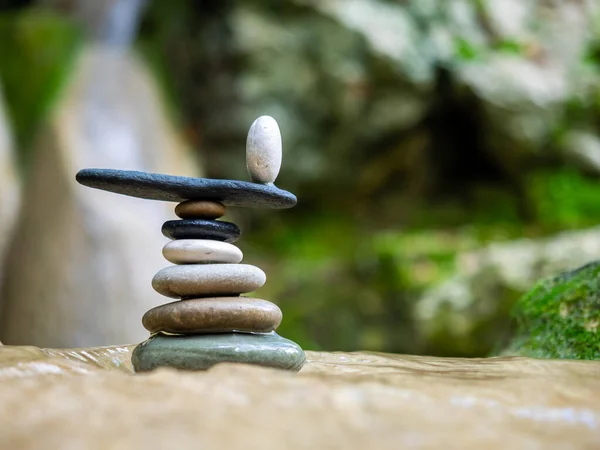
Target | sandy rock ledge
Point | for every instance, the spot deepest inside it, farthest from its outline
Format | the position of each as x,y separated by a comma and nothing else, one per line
90,399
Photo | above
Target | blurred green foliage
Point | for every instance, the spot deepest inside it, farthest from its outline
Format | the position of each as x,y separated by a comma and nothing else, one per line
37,51
564,199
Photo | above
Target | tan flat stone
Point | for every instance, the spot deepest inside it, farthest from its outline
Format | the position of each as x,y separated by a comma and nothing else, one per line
197,280
200,209
338,400
201,251
214,315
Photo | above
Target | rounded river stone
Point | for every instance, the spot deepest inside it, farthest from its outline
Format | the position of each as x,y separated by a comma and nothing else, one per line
172,188
214,315
200,209
201,251
263,150
201,229
201,352
205,280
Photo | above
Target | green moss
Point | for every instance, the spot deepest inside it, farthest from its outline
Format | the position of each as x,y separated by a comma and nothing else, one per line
46,45
560,317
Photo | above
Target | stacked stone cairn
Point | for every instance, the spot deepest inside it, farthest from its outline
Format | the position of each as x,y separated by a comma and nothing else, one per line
211,322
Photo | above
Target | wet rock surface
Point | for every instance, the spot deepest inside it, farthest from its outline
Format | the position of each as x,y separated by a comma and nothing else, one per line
337,400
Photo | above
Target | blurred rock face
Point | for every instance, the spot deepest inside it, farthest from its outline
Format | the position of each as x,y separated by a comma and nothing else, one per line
413,116
80,266
394,89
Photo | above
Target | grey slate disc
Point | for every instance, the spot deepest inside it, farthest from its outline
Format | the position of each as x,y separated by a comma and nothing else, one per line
200,352
171,188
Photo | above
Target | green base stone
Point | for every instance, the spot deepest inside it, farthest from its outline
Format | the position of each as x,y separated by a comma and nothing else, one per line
200,352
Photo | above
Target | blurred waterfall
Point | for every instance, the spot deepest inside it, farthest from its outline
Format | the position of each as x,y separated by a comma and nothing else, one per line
80,269
111,22
10,188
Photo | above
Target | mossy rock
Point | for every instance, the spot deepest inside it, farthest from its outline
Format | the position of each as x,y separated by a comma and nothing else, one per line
560,317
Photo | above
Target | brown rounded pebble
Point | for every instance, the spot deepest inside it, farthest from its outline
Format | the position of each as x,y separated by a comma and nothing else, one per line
200,209
214,315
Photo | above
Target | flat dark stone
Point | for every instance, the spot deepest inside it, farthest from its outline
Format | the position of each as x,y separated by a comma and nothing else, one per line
172,188
201,352
217,230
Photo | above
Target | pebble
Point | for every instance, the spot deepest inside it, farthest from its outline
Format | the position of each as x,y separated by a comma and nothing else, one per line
201,229
201,251
203,280
200,209
172,188
214,315
201,352
263,150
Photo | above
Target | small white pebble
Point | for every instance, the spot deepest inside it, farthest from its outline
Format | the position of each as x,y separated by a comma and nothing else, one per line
263,150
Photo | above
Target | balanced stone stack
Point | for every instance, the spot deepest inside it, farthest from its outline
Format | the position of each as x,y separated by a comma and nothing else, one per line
211,322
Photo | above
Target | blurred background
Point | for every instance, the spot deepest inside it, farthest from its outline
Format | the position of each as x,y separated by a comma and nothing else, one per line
445,154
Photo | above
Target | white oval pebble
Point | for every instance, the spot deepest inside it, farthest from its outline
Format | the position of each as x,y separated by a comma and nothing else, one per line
263,150
201,251
202,280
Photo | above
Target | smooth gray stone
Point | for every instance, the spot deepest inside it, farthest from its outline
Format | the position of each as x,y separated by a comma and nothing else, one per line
208,280
204,351
155,186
